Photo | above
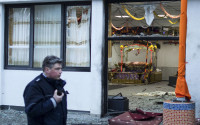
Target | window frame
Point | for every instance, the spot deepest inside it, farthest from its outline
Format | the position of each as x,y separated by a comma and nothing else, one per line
63,54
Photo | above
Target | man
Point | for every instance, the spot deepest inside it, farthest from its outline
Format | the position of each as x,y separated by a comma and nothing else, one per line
44,97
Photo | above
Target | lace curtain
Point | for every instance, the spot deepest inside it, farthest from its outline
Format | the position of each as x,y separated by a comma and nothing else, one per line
47,35
18,36
47,32
77,46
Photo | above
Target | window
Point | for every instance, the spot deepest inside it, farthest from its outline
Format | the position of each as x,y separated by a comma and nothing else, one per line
18,40
35,31
47,30
77,47
143,20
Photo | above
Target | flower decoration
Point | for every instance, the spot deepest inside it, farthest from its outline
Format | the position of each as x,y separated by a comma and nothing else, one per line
121,46
151,47
155,47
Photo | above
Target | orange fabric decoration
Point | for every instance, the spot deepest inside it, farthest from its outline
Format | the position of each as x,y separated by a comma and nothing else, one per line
171,16
181,85
116,27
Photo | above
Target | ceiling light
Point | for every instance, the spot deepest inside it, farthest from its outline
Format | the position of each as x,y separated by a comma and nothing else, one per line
123,16
162,16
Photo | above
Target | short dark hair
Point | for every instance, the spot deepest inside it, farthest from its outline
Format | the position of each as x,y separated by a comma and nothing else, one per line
49,61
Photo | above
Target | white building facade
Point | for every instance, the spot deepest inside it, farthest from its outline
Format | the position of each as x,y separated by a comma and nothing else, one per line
87,88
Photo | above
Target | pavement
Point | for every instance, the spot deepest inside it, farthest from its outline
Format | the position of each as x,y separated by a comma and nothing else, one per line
13,117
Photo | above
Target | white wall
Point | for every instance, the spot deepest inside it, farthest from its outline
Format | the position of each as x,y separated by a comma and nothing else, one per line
1,51
167,59
193,52
14,82
98,27
167,55
116,56
84,87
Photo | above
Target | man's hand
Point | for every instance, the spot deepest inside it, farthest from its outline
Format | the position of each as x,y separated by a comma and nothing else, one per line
58,98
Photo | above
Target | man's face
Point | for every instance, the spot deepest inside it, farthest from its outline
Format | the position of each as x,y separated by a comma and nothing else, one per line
54,72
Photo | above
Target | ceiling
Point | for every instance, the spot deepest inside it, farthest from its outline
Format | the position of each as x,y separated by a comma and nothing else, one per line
137,10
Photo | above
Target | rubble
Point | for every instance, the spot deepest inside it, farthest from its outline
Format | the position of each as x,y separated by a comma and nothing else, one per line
148,97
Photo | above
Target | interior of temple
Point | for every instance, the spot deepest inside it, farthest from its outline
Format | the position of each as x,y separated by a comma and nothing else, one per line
143,48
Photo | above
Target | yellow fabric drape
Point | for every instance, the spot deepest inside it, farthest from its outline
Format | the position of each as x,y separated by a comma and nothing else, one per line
173,22
130,14
181,85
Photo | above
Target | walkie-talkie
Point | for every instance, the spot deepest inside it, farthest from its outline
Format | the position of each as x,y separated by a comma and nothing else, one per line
60,86
59,92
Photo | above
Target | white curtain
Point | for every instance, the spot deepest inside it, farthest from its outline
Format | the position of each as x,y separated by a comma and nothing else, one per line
18,36
47,32
78,46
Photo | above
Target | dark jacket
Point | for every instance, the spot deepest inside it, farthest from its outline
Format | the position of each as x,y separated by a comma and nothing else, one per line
39,106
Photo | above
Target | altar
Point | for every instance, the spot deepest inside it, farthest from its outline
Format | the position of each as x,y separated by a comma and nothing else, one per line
136,72
133,77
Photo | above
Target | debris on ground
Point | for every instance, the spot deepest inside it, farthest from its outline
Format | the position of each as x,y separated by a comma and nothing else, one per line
156,93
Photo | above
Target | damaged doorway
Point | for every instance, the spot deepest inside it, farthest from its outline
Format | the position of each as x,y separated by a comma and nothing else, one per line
143,51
